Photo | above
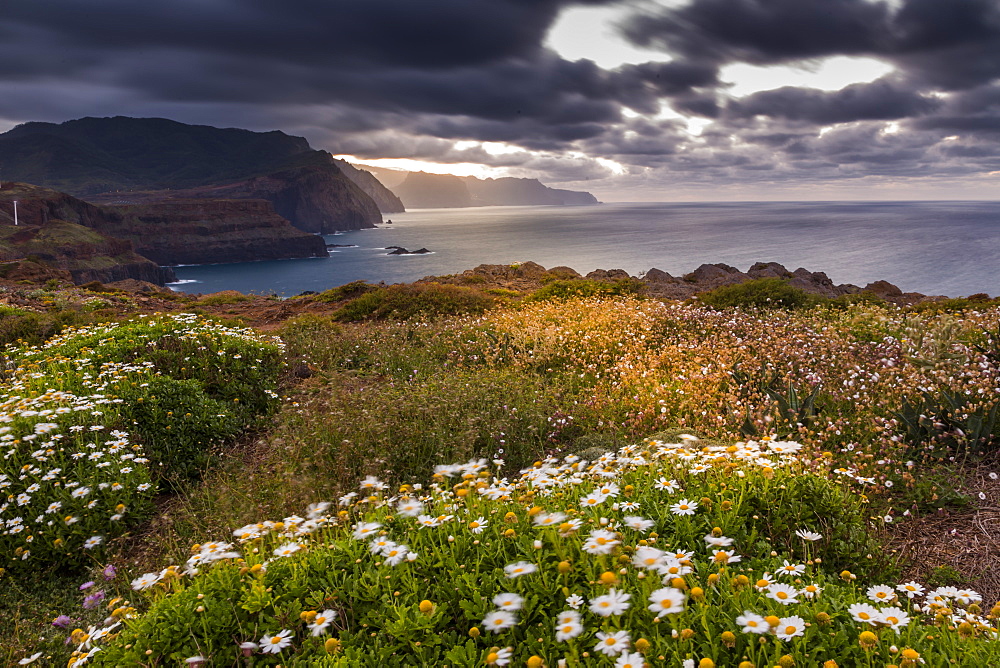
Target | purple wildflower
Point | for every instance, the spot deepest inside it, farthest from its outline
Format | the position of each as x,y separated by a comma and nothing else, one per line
86,585
109,572
62,621
91,601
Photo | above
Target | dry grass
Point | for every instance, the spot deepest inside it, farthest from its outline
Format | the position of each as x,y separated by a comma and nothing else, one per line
966,541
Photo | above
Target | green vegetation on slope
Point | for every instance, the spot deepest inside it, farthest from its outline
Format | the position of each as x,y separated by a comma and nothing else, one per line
383,404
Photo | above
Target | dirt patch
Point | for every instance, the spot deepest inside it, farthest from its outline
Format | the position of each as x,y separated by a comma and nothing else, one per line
968,541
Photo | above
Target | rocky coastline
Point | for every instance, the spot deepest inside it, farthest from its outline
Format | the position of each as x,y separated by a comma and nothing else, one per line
141,241
662,285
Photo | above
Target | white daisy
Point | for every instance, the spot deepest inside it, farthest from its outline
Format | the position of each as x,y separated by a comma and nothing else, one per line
499,620
273,644
612,644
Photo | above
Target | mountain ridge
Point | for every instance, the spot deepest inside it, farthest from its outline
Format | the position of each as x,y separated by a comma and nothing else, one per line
424,190
97,159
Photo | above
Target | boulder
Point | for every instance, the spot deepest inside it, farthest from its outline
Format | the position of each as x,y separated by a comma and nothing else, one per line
608,275
655,275
562,272
768,270
884,289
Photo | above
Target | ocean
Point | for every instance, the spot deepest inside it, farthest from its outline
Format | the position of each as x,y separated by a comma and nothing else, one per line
938,248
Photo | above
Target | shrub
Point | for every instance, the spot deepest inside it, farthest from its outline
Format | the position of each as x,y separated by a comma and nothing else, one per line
403,302
70,482
347,291
758,293
178,423
474,569
223,298
978,302
585,287
233,365
32,328
945,422
70,489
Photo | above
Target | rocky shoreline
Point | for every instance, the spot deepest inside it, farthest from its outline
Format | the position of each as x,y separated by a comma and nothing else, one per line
660,284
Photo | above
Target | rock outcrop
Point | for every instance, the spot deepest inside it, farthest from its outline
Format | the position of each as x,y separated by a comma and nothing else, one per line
660,284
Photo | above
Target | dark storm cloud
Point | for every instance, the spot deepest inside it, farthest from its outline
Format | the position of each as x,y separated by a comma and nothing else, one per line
314,32
252,49
879,100
762,31
949,43
400,78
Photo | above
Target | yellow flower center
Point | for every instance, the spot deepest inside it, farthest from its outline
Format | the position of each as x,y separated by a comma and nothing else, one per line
789,630
782,595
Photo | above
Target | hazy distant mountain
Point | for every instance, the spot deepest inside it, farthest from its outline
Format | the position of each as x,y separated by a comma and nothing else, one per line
102,159
386,200
422,190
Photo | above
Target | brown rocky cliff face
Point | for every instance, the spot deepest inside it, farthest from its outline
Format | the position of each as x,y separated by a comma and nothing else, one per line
72,235
199,231
384,198
315,198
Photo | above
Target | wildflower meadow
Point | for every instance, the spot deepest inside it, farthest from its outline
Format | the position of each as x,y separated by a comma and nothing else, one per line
598,480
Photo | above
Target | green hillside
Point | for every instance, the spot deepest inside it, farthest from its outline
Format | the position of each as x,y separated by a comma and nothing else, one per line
94,155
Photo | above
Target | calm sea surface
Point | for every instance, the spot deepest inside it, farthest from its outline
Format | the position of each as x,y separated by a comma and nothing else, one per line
942,248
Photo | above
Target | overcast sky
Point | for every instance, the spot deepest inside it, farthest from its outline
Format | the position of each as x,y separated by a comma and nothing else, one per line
629,99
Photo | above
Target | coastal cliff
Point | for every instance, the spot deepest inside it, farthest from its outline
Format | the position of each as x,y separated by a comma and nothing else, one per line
427,191
63,233
314,198
203,231
131,160
111,243
384,198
